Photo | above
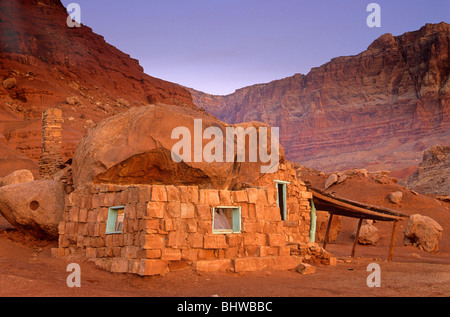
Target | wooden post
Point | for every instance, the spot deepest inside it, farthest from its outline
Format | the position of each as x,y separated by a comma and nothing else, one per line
328,232
394,236
356,237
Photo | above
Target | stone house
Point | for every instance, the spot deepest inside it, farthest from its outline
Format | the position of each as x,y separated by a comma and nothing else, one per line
148,226
150,229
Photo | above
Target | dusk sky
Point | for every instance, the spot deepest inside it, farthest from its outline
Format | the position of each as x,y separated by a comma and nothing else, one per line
218,46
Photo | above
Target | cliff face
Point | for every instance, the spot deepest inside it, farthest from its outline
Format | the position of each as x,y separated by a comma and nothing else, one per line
44,64
379,109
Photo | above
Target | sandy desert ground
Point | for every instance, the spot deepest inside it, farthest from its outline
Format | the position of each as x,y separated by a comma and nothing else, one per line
28,270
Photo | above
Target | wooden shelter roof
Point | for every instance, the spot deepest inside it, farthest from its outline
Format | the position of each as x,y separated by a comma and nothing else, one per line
348,208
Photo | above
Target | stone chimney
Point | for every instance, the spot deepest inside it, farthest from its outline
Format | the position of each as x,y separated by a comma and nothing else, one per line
51,158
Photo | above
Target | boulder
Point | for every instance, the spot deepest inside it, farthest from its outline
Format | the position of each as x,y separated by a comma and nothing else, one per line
423,232
135,147
368,234
17,177
34,207
396,197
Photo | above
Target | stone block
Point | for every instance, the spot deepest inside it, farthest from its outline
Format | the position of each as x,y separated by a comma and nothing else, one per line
276,240
234,240
195,240
119,265
173,193
152,241
144,194
141,210
204,212
153,267
255,239
187,210
209,197
83,215
133,266
152,254
91,252
284,251
225,198
193,192
177,239
189,255
169,225
173,209
170,254
306,195
156,209
267,251
240,196
191,225
159,193
215,241
252,195
213,266
272,213
305,269
262,197
262,263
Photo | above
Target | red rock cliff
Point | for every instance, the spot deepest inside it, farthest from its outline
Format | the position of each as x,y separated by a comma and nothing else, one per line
47,64
379,109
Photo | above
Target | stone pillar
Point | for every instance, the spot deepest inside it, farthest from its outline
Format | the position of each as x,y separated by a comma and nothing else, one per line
51,158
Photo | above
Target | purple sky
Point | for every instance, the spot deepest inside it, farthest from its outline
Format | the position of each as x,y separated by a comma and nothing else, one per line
218,46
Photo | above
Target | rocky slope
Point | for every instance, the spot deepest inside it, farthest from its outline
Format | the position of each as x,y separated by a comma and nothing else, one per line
44,63
379,109
433,174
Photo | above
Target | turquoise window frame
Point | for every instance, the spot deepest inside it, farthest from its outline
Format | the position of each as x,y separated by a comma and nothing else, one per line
111,221
236,217
283,212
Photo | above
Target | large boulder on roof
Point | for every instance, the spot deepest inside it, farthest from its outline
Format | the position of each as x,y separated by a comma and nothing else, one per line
135,147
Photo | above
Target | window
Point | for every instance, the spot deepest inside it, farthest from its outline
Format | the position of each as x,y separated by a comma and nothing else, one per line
114,223
281,198
227,220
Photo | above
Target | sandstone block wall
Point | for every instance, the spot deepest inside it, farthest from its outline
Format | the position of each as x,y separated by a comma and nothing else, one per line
166,227
51,157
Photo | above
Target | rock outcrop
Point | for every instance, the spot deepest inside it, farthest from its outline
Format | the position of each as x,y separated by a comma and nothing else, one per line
379,109
433,174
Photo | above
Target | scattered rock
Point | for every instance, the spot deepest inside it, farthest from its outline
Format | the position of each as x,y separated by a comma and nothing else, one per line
342,178
72,101
122,102
9,83
396,197
17,177
423,233
34,207
332,179
305,269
